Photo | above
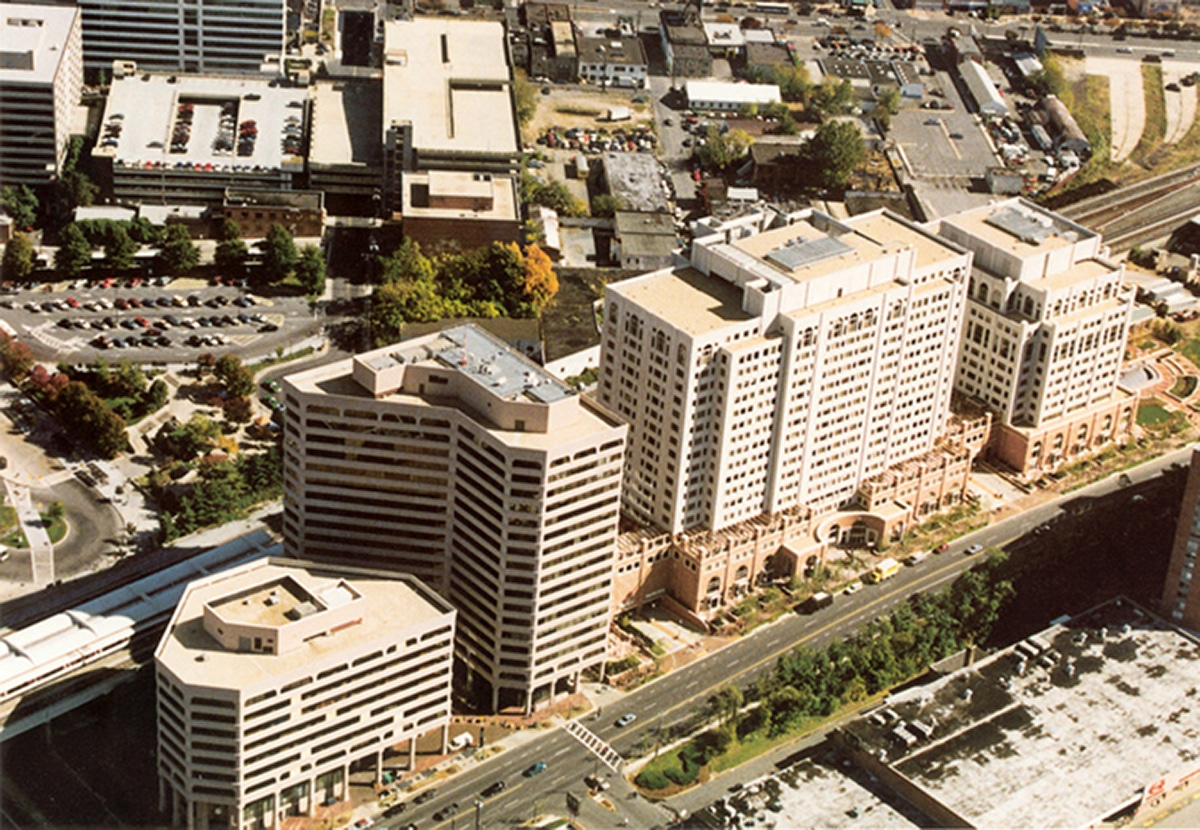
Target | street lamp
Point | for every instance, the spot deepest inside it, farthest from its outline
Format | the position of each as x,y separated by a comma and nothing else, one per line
478,812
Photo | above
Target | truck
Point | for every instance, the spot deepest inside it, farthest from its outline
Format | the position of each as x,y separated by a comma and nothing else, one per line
619,114
581,166
816,602
885,569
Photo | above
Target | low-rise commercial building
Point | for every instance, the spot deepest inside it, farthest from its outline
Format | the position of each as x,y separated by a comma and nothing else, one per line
722,96
617,62
644,241
1087,723
447,101
302,212
41,76
685,45
274,677
186,139
473,209
454,458
345,155
552,52
983,89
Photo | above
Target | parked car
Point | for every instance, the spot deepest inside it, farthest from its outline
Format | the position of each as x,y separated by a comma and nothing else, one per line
426,795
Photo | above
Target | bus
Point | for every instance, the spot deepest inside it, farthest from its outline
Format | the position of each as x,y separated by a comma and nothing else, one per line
886,569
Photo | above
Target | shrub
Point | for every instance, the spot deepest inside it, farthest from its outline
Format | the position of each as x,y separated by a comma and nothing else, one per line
685,775
652,779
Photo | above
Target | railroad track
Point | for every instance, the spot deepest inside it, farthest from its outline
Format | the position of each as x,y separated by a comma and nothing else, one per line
1099,212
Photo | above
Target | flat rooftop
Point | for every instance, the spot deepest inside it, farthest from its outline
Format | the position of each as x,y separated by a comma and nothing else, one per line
450,80
1061,730
345,123
501,191
485,359
33,41
686,298
147,113
634,178
613,51
1019,227
189,651
803,251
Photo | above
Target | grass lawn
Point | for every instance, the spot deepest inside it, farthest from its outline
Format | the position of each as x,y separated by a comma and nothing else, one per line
1184,387
15,538
1191,350
1092,112
8,519
1156,114
1151,413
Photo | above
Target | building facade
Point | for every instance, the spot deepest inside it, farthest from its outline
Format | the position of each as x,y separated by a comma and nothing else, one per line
41,76
453,458
1181,593
782,368
275,676
1044,335
617,62
183,36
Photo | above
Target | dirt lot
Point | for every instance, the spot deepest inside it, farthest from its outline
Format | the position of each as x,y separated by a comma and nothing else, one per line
576,107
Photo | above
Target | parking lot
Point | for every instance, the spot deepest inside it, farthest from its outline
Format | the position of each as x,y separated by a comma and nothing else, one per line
942,142
160,319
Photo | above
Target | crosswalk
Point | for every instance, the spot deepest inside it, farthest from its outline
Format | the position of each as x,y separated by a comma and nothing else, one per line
607,755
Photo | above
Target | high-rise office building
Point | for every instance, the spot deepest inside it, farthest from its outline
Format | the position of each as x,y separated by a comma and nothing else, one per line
274,677
41,75
458,460
1181,593
1045,329
183,35
783,367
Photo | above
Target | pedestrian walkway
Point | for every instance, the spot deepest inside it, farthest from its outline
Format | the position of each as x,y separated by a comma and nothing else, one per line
607,755
41,551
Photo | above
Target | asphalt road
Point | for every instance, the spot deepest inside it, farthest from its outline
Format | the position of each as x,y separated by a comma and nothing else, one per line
673,698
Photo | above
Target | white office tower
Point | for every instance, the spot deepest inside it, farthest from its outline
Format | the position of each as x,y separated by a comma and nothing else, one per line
41,75
1045,332
781,368
458,460
183,35
276,676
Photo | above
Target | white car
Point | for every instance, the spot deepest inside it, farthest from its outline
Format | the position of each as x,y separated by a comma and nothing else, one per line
853,588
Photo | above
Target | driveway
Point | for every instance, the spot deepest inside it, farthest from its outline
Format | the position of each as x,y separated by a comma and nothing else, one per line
1181,105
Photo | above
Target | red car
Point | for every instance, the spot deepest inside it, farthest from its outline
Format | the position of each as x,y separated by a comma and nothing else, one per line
942,548
72,302
120,303
141,321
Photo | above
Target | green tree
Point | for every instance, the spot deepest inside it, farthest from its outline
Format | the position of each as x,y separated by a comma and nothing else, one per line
159,393
834,152
310,270
887,104
279,254
179,254
119,250
18,258
21,204
406,264
794,83
75,189
56,510
194,437
832,96
728,701
235,377
722,151
605,205
231,251
74,253
552,194
524,98
91,419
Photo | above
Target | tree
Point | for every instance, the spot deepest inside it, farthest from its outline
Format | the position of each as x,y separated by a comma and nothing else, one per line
834,152
74,252
231,251
119,250
406,264
541,283
56,510
728,702
195,436
238,410
605,205
159,393
75,189
179,254
722,151
236,378
18,258
15,357
887,104
524,98
310,270
833,97
552,194
21,204
794,82
279,254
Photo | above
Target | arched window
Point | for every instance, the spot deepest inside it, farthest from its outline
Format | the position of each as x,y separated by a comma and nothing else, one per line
714,585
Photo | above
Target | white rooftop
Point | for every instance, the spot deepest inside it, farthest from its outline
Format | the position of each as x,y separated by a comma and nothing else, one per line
32,41
733,93
345,123
149,109
450,79
724,35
